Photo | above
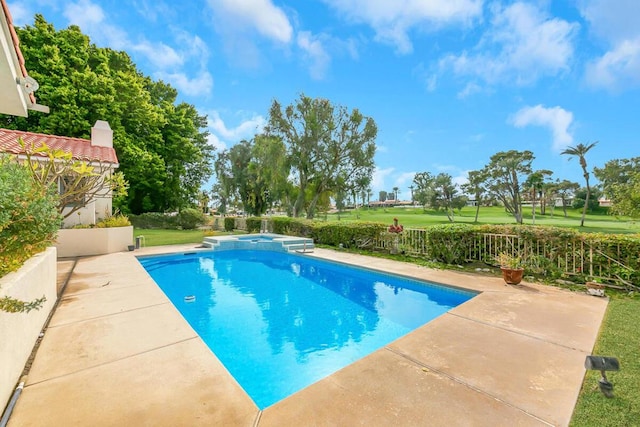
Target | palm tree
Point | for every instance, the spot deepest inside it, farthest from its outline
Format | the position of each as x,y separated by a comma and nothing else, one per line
579,151
395,192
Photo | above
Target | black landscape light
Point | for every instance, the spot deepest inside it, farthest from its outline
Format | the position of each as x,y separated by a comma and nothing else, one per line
603,364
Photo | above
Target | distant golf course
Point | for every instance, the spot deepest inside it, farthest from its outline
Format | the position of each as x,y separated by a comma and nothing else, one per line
417,217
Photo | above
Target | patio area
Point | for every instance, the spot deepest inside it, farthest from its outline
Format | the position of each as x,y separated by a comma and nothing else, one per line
117,352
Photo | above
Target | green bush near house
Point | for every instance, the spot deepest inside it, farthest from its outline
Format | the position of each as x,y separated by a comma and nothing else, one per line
187,219
29,219
114,221
190,219
154,220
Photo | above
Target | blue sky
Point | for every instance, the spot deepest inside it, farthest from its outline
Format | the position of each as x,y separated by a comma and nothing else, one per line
448,82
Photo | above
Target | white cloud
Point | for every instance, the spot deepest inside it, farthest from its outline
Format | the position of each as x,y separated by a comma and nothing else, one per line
403,181
617,69
379,178
84,14
315,52
616,23
556,119
152,9
20,15
215,142
393,20
90,17
461,178
261,15
522,45
612,20
223,136
200,85
159,54
470,89
193,47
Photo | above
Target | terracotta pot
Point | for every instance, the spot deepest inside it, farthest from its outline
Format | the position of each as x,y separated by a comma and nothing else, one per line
512,276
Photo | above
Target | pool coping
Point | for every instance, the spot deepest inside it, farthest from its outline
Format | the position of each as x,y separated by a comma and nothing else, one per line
117,352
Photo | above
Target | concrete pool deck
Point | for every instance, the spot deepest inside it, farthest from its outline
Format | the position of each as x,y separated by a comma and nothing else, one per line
117,352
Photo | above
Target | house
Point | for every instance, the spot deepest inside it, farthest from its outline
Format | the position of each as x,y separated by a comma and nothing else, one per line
98,151
17,94
604,202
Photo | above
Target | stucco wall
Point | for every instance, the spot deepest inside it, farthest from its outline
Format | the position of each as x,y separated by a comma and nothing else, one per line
93,241
96,210
19,331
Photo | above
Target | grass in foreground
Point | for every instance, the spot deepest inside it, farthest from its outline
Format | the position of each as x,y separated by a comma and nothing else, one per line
169,237
154,237
618,338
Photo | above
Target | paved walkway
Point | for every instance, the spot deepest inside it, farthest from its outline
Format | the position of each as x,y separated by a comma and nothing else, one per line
117,353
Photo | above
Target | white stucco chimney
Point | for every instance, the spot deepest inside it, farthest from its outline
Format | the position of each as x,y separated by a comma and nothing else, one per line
101,134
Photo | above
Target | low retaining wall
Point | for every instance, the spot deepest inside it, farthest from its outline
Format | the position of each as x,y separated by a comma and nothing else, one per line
93,241
19,331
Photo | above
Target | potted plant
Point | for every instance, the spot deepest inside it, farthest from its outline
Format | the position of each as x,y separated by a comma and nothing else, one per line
511,267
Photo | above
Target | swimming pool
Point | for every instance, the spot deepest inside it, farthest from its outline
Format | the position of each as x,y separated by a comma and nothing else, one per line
280,321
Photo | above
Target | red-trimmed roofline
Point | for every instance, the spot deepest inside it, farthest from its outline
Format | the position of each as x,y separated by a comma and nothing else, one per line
16,45
80,149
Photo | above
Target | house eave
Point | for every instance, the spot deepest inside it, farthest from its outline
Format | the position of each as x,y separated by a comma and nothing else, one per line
16,97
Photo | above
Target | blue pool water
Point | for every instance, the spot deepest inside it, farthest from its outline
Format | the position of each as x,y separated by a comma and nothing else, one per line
280,322
255,238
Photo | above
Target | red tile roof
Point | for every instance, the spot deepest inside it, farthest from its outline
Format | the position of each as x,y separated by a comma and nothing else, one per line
80,149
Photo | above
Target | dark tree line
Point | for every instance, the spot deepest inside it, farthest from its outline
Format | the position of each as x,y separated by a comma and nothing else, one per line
161,144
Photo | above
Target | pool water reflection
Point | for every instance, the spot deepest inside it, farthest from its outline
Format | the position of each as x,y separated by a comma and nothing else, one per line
280,322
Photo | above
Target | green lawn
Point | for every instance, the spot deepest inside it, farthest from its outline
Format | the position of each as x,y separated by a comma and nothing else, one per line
418,218
169,237
618,338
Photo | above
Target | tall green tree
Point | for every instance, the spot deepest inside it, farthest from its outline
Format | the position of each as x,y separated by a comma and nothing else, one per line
535,183
475,187
504,173
423,182
272,166
580,151
224,187
161,145
565,189
325,143
444,194
626,197
580,199
618,179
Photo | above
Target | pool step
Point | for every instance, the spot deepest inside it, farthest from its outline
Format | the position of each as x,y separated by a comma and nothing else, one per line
300,247
283,243
210,242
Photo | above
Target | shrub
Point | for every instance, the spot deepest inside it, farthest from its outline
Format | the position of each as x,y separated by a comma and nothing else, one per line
292,226
254,224
450,243
29,219
114,221
154,220
229,224
355,234
190,218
